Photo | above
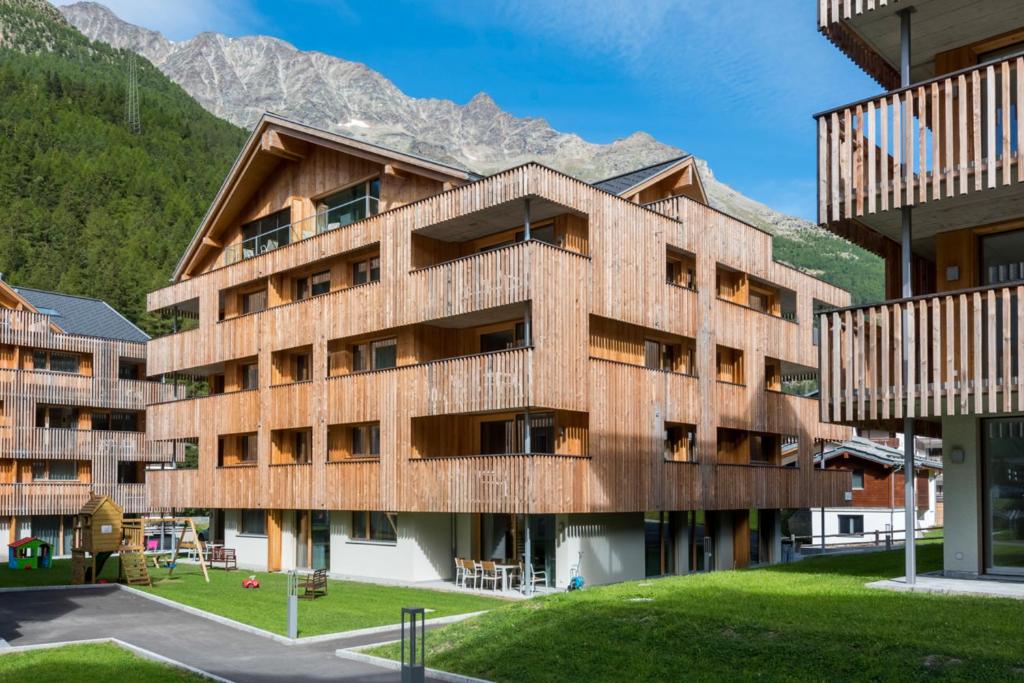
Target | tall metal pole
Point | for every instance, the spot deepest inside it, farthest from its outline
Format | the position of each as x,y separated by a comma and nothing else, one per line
528,559
906,233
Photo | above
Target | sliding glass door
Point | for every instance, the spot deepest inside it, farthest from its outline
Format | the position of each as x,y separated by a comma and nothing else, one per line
1004,495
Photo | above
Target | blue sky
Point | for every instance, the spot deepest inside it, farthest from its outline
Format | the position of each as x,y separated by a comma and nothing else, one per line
733,81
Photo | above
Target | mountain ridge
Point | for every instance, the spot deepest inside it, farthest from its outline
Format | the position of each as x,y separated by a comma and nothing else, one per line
239,79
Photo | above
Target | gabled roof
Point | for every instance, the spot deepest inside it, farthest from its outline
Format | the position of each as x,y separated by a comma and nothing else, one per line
82,315
630,183
96,502
275,138
24,541
866,449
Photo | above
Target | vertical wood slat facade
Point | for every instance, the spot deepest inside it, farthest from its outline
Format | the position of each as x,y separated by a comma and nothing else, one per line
966,357
920,145
621,278
22,441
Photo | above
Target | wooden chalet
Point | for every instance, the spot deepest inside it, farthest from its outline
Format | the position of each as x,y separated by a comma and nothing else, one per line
401,362
73,395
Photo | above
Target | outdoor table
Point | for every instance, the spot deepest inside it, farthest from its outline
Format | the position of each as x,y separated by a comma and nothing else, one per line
505,578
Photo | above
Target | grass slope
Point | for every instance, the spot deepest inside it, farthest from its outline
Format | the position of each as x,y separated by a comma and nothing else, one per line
813,620
89,207
95,663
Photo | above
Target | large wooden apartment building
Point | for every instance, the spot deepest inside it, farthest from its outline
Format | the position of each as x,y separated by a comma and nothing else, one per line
73,396
928,174
400,362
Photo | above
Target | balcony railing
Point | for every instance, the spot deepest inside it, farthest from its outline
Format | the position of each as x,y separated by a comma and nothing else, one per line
70,389
84,444
337,217
43,498
965,357
959,133
834,11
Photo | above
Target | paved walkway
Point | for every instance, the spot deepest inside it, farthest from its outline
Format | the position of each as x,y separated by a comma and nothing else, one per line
948,586
32,617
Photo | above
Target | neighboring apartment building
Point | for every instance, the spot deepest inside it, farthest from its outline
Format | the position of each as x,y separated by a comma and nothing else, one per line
876,509
407,363
935,164
73,395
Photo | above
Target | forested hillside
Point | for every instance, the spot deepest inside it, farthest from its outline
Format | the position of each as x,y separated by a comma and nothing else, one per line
88,206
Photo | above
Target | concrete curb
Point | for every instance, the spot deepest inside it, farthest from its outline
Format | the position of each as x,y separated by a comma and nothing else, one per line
355,654
134,649
308,640
85,586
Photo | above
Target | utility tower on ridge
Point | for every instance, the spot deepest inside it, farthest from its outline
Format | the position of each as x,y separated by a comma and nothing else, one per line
131,99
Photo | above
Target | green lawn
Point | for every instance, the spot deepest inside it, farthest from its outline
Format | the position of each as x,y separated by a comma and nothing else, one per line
348,605
95,663
57,575
812,620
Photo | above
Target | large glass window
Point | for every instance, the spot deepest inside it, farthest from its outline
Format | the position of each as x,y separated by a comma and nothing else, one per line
348,206
500,340
1003,443
1002,257
56,362
253,523
250,376
254,302
267,233
367,270
375,526
499,437
376,355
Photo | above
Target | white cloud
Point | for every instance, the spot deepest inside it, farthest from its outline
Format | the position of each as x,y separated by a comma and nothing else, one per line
182,19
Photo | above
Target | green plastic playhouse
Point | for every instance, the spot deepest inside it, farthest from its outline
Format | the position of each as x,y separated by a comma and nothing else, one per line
29,553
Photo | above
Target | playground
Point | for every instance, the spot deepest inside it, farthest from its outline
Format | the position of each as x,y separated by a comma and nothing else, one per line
109,549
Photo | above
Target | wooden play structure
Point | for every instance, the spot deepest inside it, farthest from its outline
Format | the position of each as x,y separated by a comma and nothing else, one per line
101,530
29,553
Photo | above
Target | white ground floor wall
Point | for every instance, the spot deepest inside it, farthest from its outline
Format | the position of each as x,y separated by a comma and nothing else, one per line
877,523
962,496
604,548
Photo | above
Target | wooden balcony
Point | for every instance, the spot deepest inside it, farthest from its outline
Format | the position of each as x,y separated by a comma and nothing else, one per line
965,358
231,413
229,487
950,147
49,498
497,483
84,444
767,486
131,497
834,11
478,383
58,388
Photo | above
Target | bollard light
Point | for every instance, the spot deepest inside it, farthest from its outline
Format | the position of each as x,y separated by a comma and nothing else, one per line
413,668
293,604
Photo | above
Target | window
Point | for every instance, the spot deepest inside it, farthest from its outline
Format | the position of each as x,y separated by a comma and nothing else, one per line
254,302
56,362
302,367
250,376
858,479
680,269
375,526
267,233
301,288
301,447
55,470
511,338
248,448
383,353
730,365
851,524
253,523
679,441
320,282
499,437
366,441
56,417
661,356
365,271
117,420
541,233
127,369
348,206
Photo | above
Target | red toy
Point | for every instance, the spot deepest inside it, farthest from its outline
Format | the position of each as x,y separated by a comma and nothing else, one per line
251,582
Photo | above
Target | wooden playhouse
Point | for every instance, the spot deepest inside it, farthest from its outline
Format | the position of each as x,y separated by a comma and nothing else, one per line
29,553
100,531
